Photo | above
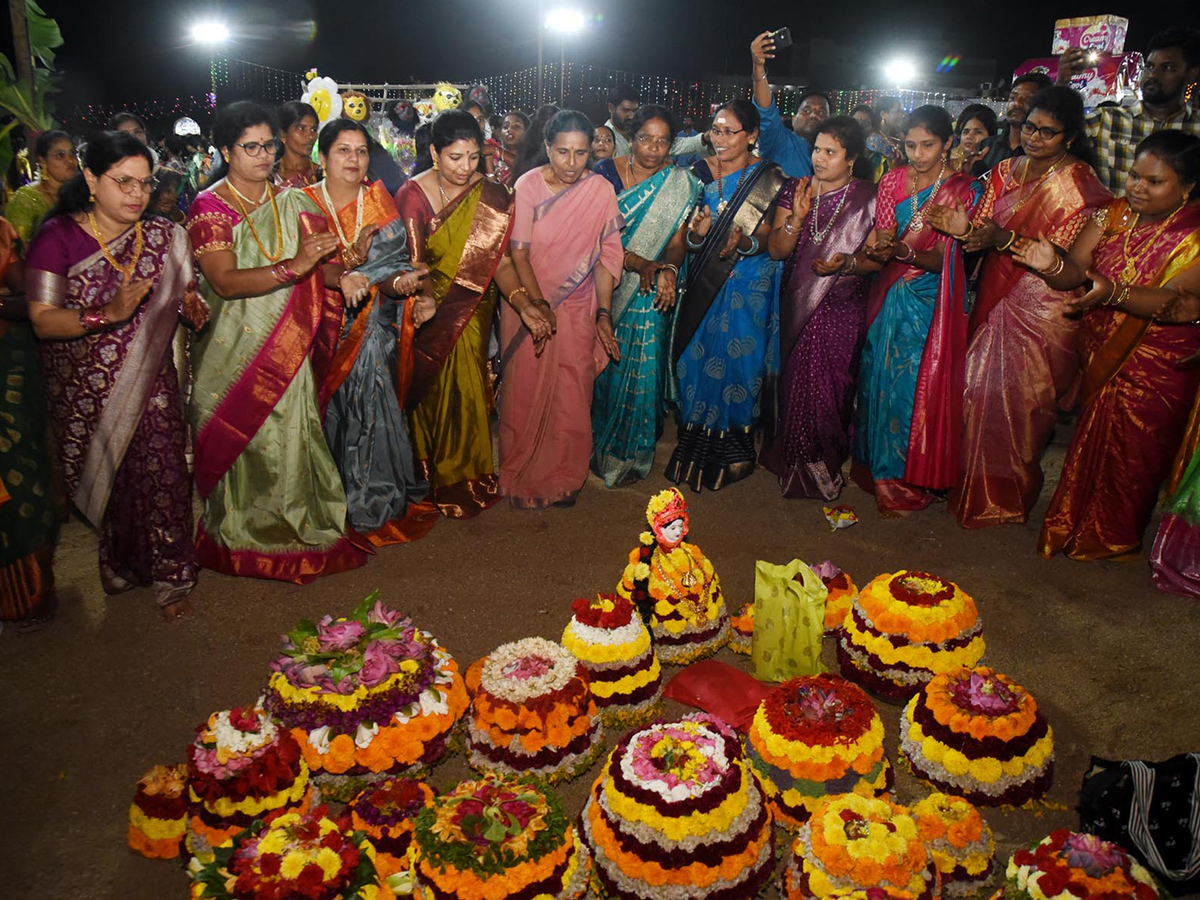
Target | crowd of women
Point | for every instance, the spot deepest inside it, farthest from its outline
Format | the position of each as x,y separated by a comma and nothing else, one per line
345,348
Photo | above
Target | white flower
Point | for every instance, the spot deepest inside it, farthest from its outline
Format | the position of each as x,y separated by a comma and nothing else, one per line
364,735
496,677
319,739
433,703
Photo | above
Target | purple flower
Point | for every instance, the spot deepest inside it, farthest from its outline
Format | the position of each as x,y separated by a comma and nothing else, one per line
377,666
1094,856
340,635
826,570
384,614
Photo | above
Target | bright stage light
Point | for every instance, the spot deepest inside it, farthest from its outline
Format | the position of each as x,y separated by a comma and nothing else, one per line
900,72
210,31
565,21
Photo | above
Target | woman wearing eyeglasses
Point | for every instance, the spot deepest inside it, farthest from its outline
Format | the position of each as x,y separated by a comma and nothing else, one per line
274,505
726,340
106,291
655,198
57,164
1022,357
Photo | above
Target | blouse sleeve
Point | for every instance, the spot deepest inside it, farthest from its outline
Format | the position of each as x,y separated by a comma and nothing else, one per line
787,194
522,230
885,211
209,226
410,206
47,265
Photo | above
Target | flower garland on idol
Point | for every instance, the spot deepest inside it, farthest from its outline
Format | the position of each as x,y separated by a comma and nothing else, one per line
978,734
814,736
366,694
497,838
674,586
613,645
959,841
532,712
905,628
677,814
1067,865
289,857
853,843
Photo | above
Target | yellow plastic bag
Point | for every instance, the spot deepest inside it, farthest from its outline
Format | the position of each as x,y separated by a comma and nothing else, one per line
789,621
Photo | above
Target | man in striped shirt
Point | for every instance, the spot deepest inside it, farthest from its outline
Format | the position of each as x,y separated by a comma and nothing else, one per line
1172,63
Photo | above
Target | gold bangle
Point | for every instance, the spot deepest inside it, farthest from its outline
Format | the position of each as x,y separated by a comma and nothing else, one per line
521,290
1012,240
966,234
1055,268
674,268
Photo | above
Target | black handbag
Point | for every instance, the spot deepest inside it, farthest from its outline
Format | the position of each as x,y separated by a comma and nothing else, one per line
1150,809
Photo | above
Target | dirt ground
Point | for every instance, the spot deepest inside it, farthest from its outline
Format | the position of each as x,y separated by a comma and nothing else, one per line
109,689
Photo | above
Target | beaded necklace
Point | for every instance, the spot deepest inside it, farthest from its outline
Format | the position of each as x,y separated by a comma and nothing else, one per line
337,224
721,201
917,218
819,235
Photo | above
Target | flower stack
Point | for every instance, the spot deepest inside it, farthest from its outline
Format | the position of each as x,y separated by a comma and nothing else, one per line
532,712
840,596
365,694
494,839
959,841
977,734
906,628
814,736
1068,865
241,767
854,843
741,629
159,812
612,643
294,855
677,813
386,812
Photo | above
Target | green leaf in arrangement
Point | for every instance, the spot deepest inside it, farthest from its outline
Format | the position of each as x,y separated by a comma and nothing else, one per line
360,611
44,34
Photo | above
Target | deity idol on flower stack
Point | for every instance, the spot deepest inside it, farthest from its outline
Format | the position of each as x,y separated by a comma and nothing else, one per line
532,712
959,841
906,628
841,593
610,639
977,734
1067,865
241,767
498,838
366,694
674,587
294,855
814,736
678,814
386,813
852,844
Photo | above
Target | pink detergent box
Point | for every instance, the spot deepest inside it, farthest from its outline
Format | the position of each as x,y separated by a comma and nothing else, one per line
1099,34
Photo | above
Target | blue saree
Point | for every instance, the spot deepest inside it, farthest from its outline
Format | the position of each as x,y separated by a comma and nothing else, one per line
628,402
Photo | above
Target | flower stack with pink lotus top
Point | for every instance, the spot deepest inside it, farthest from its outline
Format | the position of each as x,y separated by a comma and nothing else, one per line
1067,865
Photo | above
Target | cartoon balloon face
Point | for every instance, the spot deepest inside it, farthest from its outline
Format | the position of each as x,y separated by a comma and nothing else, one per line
356,106
446,96
425,109
322,95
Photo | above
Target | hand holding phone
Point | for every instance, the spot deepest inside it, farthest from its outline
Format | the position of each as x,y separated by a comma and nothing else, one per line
782,38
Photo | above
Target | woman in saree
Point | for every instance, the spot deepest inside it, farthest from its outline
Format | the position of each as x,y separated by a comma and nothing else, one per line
566,246
907,446
364,418
819,223
28,519
1141,256
57,164
655,198
106,291
1022,356
725,349
458,224
273,502
298,126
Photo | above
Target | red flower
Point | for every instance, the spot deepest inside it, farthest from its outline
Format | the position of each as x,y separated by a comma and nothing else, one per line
268,864
244,719
307,829
1054,882
311,882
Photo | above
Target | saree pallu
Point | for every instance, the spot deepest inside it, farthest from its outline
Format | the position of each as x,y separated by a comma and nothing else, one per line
115,404
1023,357
628,401
450,398
821,327
1175,556
907,442
545,402
274,505
1134,405
364,419
726,339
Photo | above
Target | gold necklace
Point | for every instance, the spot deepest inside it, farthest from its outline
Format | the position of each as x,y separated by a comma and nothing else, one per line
1129,272
238,198
138,245
1025,174
358,216
684,581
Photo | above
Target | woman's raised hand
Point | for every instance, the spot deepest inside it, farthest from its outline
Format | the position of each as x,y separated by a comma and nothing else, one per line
354,287
362,246
831,266
949,220
410,282
731,243
314,249
128,298
1101,291
987,234
1038,255
701,222
802,202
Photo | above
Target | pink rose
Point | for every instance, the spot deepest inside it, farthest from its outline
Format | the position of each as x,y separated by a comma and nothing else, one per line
377,666
384,615
340,635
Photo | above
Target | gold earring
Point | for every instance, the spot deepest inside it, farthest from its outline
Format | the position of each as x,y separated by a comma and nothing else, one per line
435,164
91,198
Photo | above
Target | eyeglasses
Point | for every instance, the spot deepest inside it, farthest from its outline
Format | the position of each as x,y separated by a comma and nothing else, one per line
649,140
129,185
725,132
255,148
1047,133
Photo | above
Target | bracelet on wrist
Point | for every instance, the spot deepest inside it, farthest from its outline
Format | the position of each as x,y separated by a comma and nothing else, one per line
1056,267
603,312
850,266
909,253
1012,239
674,268
966,234
752,249
94,319
693,245
787,227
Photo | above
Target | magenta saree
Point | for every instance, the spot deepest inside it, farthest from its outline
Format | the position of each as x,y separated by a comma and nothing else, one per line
114,401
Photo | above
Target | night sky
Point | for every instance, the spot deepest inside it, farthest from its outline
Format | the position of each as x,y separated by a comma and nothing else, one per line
139,49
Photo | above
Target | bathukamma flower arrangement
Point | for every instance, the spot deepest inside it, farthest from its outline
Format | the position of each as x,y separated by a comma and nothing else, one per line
386,812
814,736
905,628
1067,865
959,841
841,592
159,812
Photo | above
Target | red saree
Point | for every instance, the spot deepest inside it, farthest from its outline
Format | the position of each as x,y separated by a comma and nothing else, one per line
1135,399
1023,358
